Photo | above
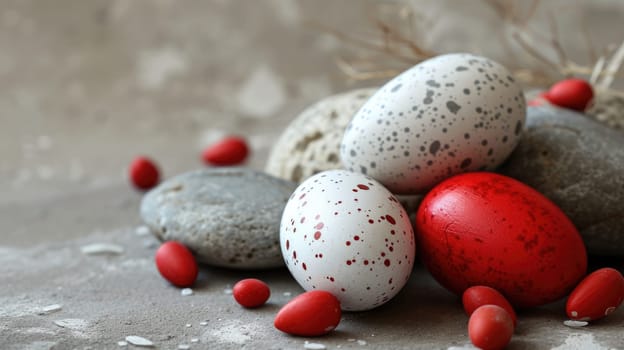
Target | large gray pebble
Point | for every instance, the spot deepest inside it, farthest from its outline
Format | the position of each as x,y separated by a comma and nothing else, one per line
228,217
311,142
579,164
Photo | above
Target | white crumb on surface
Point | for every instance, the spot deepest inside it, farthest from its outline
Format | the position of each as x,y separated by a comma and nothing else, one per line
313,346
101,248
227,291
188,325
580,341
122,343
139,341
287,294
186,292
203,323
184,346
72,323
194,340
362,342
575,324
142,230
50,309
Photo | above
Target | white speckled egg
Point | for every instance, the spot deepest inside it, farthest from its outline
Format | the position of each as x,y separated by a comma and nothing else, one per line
447,115
345,233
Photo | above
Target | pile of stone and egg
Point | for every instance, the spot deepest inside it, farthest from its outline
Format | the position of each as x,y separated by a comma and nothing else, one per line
230,217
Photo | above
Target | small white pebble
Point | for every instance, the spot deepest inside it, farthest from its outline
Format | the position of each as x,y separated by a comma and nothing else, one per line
139,341
102,248
575,324
313,346
188,325
142,230
184,346
194,340
203,323
227,291
287,294
361,342
186,292
50,309
122,343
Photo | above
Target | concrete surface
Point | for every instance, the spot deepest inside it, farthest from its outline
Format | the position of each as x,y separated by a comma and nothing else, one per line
86,86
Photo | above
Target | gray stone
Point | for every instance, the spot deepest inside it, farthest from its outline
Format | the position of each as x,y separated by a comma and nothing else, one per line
311,142
579,164
227,217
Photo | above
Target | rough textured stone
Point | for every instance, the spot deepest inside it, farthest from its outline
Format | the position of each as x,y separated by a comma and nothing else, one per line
311,142
579,164
228,217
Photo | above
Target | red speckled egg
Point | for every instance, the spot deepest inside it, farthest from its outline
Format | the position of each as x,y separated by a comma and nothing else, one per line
487,229
345,233
597,296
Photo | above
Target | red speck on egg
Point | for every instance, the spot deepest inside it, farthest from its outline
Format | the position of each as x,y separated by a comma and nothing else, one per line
319,226
362,187
387,262
317,235
390,219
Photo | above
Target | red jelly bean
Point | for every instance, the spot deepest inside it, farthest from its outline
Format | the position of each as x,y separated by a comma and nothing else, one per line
229,151
251,292
477,296
310,314
490,327
573,94
176,264
143,173
598,295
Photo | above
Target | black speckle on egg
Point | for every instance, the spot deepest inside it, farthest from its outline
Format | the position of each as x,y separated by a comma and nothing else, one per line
396,88
432,83
465,163
428,100
353,153
434,147
453,107
518,127
461,68
466,91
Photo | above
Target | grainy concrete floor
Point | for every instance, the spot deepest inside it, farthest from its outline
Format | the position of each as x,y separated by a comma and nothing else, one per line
85,86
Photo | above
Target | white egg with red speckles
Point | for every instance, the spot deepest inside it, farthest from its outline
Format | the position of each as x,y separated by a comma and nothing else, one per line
447,115
345,233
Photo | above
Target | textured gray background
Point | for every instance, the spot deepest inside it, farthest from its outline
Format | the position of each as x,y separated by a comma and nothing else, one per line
87,85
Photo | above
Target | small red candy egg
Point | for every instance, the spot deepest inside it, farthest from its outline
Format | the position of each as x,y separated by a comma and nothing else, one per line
482,228
310,314
573,94
251,292
598,295
231,150
490,327
176,264
477,296
143,173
